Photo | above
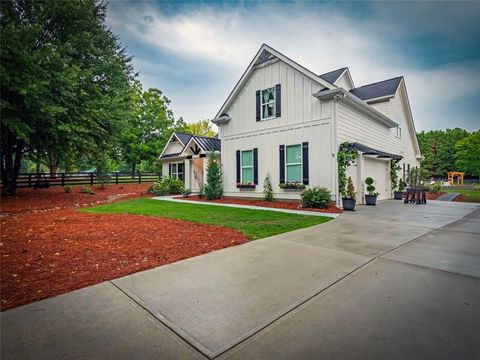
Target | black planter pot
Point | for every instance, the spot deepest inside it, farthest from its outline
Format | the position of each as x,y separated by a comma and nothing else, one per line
370,199
348,204
398,195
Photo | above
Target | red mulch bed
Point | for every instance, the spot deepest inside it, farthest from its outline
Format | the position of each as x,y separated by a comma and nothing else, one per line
432,196
47,253
278,204
54,198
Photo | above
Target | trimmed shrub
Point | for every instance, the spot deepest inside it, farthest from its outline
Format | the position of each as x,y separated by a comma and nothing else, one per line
186,192
351,194
68,189
167,186
87,190
316,197
267,189
435,188
213,189
370,188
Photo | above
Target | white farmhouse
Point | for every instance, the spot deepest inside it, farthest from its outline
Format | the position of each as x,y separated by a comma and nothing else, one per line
284,120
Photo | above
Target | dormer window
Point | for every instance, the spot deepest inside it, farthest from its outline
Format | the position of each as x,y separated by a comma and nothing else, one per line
268,103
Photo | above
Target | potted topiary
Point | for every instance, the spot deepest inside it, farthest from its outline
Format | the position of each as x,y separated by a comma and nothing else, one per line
349,200
398,195
371,198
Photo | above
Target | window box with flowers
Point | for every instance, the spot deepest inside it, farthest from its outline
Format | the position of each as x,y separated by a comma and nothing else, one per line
296,185
246,185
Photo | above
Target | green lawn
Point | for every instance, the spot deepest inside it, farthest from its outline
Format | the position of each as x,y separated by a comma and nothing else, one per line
255,224
470,195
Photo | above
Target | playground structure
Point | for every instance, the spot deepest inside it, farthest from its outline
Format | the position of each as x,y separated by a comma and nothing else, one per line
451,177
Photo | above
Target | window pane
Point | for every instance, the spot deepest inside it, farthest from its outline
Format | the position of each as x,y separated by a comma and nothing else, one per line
294,154
268,95
294,173
174,168
247,158
247,174
180,167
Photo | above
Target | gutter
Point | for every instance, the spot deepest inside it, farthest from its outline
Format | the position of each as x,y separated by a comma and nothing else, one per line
352,100
221,119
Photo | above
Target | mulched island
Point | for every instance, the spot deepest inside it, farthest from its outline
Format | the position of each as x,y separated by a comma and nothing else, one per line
278,204
48,248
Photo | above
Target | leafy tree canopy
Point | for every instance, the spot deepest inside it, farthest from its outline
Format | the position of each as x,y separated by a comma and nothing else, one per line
202,128
65,82
467,154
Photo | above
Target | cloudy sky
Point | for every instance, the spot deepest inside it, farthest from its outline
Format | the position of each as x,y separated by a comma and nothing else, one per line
196,52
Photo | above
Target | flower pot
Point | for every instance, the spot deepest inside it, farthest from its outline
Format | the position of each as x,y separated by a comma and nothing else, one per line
370,199
398,195
348,204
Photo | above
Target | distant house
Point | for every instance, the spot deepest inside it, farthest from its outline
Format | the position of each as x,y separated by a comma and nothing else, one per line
284,120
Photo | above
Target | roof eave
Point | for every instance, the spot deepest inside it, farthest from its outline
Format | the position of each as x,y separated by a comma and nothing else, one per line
343,95
221,120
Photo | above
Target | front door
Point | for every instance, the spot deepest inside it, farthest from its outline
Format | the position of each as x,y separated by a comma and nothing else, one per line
196,174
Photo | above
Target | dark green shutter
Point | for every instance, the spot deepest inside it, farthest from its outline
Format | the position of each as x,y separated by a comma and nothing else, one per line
278,100
238,166
305,162
282,164
255,166
258,105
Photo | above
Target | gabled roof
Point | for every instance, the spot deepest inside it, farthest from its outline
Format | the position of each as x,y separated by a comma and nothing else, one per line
332,76
183,137
265,54
204,142
377,90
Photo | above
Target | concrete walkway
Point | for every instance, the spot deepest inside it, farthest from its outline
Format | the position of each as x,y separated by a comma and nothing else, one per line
288,211
393,281
447,197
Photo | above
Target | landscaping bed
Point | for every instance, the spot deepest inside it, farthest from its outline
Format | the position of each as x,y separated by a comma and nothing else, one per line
54,198
50,253
277,204
48,247
434,196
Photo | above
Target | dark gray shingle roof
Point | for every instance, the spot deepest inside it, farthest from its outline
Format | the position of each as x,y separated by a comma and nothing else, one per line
184,138
378,89
332,76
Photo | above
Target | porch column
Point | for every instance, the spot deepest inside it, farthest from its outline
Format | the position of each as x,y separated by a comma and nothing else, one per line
360,174
186,174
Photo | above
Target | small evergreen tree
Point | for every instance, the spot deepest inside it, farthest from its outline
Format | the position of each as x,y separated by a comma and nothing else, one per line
213,188
267,189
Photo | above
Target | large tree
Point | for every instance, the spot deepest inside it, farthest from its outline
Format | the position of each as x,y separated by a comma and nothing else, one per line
438,148
468,154
149,125
65,83
202,128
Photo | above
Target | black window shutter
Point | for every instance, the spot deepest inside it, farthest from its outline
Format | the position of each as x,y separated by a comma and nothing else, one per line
305,162
278,100
282,164
258,105
255,166
169,170
238,166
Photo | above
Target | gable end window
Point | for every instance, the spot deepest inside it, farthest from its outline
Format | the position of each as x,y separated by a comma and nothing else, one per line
398,129
293,163
267,97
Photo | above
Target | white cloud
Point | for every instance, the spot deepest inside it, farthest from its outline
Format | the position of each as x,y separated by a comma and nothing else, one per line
220,43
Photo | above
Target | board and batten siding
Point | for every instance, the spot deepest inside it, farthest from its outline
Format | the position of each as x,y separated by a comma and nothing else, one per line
173,147
303,119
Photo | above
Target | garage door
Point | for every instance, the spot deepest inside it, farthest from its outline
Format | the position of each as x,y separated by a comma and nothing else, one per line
379,171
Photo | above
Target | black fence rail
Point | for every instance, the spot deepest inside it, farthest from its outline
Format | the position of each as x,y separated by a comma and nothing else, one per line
62,179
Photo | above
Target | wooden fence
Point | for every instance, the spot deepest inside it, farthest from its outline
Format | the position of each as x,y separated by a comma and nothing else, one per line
62,179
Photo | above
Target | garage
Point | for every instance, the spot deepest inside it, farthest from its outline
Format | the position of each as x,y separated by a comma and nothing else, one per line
379,170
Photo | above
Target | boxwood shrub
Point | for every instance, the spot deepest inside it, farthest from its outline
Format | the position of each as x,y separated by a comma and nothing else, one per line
316,197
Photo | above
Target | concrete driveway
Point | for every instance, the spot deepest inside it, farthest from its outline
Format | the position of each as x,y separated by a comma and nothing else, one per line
393,281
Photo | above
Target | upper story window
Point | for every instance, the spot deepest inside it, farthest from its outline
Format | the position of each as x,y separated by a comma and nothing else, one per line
247,166
268,103
293,163
398,129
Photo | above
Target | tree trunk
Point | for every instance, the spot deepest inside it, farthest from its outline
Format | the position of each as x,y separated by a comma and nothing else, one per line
52,165
133,170
10,159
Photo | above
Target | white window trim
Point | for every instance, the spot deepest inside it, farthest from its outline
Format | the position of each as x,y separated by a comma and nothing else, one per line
267,103
398,129
300,163
241,165
176,173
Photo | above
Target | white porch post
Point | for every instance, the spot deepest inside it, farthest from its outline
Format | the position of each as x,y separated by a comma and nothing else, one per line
360,174
205,166
186,174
